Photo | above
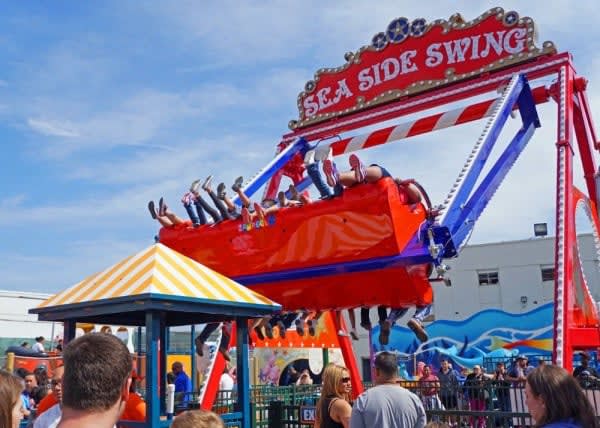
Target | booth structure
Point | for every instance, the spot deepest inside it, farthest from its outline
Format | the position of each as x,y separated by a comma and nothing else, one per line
158,288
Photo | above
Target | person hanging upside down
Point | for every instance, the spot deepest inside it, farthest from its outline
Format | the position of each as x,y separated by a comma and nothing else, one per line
359,173
415,323
165,217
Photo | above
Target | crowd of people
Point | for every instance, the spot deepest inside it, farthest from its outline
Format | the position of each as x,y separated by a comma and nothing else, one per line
86,391
554,398
95,387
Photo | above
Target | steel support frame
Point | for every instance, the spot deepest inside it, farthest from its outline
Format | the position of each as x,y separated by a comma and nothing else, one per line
573,116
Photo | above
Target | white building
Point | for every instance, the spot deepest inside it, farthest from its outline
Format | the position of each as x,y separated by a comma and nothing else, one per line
17,325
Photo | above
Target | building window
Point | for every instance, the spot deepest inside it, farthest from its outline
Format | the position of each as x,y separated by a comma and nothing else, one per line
547,273
488,277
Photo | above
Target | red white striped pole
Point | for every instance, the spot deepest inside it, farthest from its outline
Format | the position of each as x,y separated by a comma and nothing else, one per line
424,125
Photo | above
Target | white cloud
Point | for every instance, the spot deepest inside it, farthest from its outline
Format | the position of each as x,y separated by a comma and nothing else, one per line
53,128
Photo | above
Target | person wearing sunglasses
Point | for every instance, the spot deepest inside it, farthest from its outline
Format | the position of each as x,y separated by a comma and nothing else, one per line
333,407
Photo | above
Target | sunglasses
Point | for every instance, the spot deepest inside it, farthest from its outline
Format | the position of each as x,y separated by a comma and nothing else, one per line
346,379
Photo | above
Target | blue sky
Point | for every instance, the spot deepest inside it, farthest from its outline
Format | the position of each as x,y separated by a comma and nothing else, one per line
106,105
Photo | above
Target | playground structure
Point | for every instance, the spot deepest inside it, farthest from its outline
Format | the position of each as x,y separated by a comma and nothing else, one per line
409,68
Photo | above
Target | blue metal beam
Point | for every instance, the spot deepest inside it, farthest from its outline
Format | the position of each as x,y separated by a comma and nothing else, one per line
152,380
243,372
489,185
272,167
490,136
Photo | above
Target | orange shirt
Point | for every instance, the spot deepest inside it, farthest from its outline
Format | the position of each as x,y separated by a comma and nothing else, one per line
47,402
135,409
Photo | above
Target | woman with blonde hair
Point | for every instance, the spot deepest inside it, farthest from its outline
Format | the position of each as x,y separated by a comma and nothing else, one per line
555,400
333,407
11,387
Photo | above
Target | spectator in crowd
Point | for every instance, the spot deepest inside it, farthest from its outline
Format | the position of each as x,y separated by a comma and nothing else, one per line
10,400
226,386
502,387
333,407
519,371
55,395
96,381
555,399
304,378
27,394
198,419
38,346
584,373
387,404
49,410
135,407
41,376
475,389
183,384
38,394
449,386
429,386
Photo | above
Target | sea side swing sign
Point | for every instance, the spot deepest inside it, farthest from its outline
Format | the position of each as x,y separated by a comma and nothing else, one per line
411,57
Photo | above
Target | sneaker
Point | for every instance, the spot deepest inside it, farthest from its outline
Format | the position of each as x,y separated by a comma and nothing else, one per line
418,329
221,191
300,327
331,172
260,212
282,329
206,184
245,216
367,327
282,199
225,354
309,157
161,207
342,333
384,334
199,346
293,192
360,172
195,187
269,331
152,209
237,184
354,334
259,333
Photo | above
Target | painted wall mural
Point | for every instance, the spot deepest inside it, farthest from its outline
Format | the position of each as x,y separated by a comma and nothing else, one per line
487,336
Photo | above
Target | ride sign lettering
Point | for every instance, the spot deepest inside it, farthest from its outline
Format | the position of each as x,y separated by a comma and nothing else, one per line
413,57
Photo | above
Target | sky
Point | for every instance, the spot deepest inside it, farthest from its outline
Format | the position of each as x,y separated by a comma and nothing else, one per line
107,105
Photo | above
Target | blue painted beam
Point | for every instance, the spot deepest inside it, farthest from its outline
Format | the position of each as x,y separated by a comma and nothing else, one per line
497,123
490,184
271,168
152,377
243,370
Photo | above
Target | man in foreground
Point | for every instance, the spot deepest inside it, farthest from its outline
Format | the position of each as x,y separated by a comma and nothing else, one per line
96,381
387,404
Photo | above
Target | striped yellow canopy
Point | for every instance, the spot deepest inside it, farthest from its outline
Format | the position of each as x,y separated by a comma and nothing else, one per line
157,270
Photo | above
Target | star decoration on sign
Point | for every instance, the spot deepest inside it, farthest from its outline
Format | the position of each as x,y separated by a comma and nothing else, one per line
398,30
379,41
